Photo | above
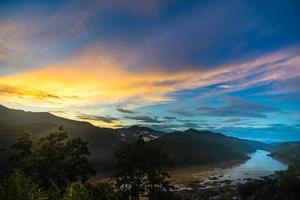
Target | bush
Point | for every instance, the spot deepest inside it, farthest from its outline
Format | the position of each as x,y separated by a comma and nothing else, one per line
19,187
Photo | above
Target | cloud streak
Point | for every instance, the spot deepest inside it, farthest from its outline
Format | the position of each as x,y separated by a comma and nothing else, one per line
98,55
94,75
145,119
123,110
108,120
236,107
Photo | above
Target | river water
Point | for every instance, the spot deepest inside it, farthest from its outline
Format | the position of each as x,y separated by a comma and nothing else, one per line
259,165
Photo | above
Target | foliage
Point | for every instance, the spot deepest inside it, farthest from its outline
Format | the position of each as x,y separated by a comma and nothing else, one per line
194,147
54,192
159,194
102,142
285,187
288,151
141,168
54,159
102,191
19,187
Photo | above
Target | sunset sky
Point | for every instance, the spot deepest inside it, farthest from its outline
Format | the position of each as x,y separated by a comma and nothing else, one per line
226,66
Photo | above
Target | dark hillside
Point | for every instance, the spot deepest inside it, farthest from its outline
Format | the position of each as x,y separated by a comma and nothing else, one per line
194,147
287,151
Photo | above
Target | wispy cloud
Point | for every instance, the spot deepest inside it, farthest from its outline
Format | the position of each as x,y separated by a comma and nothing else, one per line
237,107
232,107
145,119
94,75
123,110
234,120
106,119
169,118
183,112
6,90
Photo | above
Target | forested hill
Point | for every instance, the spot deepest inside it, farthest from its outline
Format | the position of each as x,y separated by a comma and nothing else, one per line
287,151
191,147
102,141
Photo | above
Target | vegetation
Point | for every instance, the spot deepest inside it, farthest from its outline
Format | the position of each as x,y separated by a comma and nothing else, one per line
58,167
55,159
194,147
199,147
52,168
54,162
288,152
141,168
285,187
102,142
19,187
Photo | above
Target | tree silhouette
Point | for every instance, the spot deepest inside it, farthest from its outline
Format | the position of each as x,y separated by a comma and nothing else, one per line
55,159
19,187
141,168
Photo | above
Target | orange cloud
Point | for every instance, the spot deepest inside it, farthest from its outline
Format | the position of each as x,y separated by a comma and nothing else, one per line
95,76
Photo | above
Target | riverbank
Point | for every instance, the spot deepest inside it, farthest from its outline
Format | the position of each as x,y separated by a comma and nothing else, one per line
188,175
222,180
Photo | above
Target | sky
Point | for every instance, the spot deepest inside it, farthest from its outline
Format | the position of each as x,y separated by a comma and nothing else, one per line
226,66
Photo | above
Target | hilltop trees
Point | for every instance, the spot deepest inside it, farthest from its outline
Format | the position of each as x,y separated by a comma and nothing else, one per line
142,168
62,160
54,161
46,170
19,187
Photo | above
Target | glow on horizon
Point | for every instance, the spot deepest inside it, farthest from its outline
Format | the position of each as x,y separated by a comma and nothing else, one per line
88,79
165,64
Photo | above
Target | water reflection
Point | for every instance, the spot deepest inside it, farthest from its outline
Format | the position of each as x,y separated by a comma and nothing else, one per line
259,164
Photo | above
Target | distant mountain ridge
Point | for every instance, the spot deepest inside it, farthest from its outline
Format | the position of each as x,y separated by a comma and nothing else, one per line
190,147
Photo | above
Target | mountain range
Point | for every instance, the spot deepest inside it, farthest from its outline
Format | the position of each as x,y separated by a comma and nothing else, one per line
190,147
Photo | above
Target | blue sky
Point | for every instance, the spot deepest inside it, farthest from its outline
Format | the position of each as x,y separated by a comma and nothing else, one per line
227,66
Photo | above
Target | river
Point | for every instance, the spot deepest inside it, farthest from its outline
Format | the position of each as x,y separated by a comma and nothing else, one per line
215,181
260,164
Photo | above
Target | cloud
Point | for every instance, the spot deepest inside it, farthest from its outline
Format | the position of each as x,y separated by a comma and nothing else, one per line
16,91
234,120
270,133
284,86
183,112
57,112
169,118
145,119
237,107
12,41
97,76
97,118
123,110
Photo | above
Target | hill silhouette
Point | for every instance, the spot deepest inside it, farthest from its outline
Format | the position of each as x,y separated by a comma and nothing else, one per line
190,147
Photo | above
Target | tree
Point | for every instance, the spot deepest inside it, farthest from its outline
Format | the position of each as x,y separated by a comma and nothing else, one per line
286,185
102,191
4,164
55,159
23,156
19,187
141,168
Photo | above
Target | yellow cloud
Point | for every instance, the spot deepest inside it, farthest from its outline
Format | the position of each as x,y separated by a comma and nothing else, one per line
90,77
94,76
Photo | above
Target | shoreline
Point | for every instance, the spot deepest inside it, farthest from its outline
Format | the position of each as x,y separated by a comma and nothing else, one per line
187,175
